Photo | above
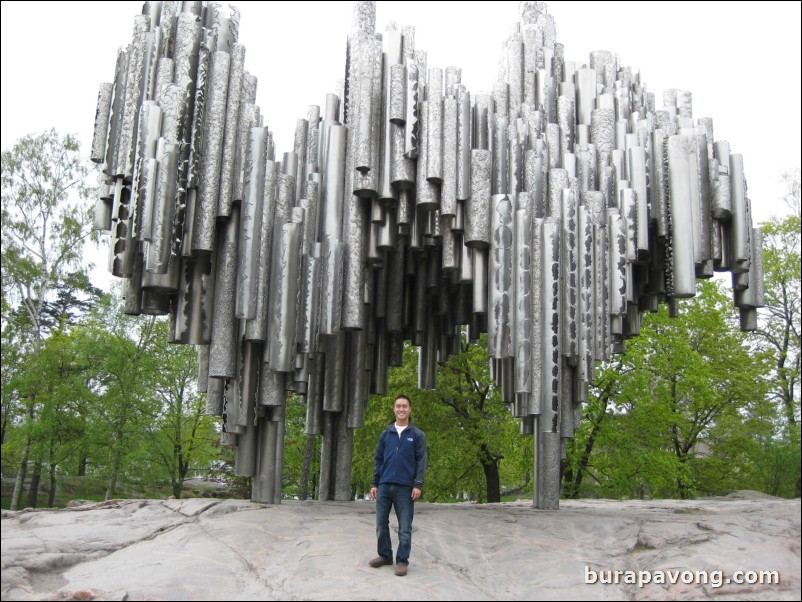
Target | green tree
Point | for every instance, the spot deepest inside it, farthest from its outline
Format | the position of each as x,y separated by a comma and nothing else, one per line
683,388
779,332
123,351
182,437
44,225
474,442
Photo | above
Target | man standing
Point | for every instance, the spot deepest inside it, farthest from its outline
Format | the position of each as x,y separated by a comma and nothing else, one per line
400,466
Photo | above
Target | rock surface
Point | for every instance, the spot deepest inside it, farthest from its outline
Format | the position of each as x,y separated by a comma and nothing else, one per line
199,549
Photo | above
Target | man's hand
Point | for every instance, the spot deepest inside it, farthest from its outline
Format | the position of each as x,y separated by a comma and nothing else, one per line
416,493
373,492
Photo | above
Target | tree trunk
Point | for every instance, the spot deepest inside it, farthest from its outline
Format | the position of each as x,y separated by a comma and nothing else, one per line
33,489
51,496
115,471
82,466
574,481
492,481
309,451
183,469
22,472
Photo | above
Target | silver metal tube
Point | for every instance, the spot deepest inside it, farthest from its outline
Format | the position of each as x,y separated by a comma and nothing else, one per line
203,236
232,115
450,145
251,230
550,287
102,113
500,288
282,319
680,279
223,349
636,171
738,241
522,340
569,276
477,216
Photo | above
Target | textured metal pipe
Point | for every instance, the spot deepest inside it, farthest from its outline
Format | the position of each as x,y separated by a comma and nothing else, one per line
548,458
146,174
378,369
636,171
427,193
326,479
214,397
450,145
256,328
434,136
522,340
628,205
395,287
250,362
344,453
500,174
500,286
695,194
271,387
334,371
353,281
203,235
229,144
251,225
478,209
569,276
617,273
479,270
310,325
124,247
658,183
586,300
739,248
102,113
355,382
132,289
402,169
223,349
133,98
398,94
158,253
115,116
452,241
680,279
314,397
550,287
412,121
282,319
720,169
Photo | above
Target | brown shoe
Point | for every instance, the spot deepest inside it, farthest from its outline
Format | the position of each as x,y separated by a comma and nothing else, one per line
379,561
401,570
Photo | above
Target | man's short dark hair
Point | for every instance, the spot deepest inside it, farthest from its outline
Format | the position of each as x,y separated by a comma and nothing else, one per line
397,397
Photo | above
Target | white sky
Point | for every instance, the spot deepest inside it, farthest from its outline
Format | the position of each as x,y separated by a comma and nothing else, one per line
741,61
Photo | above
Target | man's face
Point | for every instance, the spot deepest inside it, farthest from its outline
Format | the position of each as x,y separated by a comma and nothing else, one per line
402,409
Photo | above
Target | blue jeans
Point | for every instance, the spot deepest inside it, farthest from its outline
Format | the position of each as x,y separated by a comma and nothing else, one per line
400,497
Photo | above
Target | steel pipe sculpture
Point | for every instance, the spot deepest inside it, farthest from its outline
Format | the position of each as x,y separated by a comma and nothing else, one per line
550,213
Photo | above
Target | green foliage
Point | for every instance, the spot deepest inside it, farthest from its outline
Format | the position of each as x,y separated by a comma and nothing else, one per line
44,221
182,437
467,428
780,329
43,224
678,409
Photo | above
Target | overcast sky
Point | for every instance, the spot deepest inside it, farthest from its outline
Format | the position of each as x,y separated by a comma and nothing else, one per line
741,61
